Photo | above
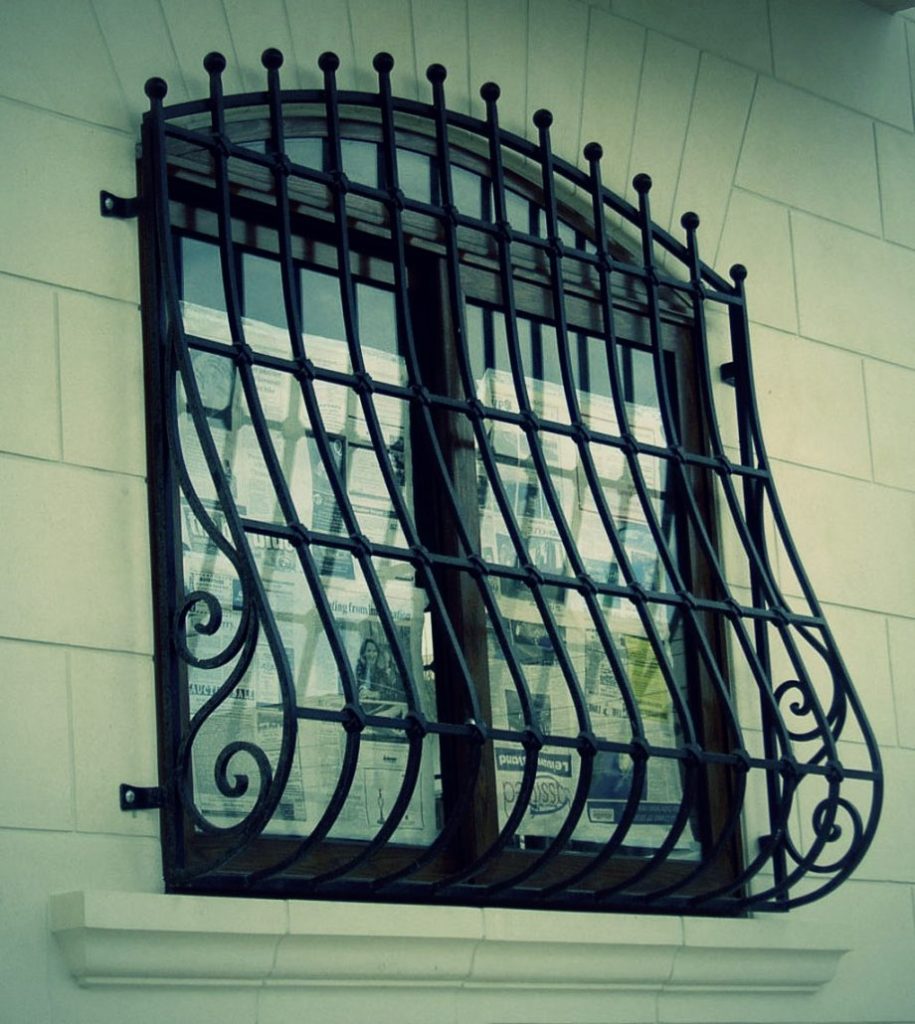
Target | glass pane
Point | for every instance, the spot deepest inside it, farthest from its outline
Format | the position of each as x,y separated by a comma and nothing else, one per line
568,235
468,192
202,274
529,347
322,308
518,211
476,342
377,317
499,360
386,669
414,171
360,161
263,287
594,377
549,348
640,378
309,152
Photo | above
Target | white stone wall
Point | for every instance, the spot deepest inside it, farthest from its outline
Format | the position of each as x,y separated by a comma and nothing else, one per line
787,125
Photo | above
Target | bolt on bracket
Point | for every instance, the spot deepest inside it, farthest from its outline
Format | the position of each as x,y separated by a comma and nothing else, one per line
111,205
140,798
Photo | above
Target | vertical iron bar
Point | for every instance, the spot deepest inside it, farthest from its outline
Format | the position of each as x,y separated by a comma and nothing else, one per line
163,487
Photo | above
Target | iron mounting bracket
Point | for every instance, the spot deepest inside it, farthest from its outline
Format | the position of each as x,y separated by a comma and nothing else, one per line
111,205
140,798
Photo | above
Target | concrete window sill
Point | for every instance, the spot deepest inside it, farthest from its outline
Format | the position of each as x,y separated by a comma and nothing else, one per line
120,938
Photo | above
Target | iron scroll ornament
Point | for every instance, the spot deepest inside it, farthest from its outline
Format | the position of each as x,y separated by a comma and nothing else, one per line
238,711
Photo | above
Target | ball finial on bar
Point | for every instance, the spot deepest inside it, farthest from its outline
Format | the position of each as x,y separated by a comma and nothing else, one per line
214,63
490,92
156,88
542,118
689,221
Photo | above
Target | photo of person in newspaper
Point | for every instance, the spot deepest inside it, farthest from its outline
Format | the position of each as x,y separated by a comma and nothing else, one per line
612,778
374,673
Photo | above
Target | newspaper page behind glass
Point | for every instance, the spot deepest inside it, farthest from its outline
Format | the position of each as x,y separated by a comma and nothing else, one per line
252,711
550,691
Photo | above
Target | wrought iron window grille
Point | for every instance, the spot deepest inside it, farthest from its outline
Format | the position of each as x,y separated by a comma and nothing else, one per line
464,585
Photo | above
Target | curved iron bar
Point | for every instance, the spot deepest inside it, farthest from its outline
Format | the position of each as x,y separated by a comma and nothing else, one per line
242,643
272,60
606,516
690,223
543,120
593,154
271,787
383,64
842,681
490,95
411,772
784,772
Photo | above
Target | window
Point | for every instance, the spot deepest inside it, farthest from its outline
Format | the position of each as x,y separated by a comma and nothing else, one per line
463,592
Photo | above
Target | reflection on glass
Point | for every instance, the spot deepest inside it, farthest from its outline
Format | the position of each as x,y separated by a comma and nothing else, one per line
538,348
594,375
529,348
215,377
526,216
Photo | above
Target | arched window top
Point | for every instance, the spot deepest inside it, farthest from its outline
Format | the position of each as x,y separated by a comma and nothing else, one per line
466,588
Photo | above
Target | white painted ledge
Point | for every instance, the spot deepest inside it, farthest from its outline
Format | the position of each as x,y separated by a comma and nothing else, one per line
119,938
